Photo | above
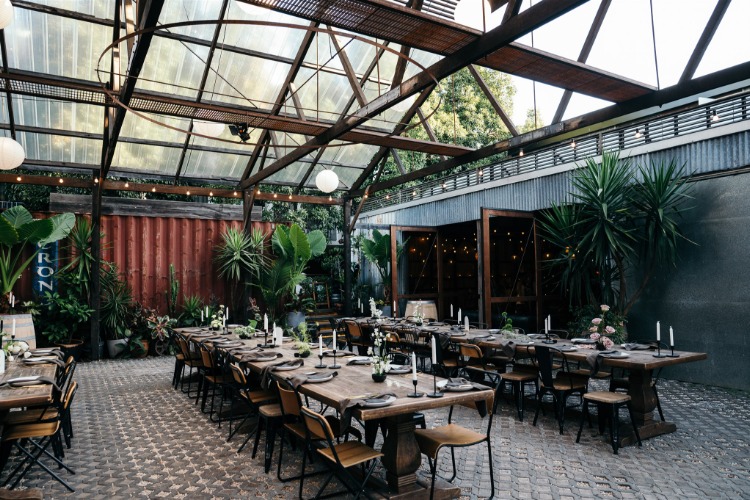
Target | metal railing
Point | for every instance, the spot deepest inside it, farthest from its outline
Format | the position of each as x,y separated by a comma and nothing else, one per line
720,112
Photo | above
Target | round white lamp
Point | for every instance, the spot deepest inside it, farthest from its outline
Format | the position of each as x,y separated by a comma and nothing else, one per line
327,181
470,13
11,154
6,14
211,129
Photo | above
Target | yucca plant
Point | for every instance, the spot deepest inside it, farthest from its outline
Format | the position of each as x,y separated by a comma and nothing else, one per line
240,255
613,223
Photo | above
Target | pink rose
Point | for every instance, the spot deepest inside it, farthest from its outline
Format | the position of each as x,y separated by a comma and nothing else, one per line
608,344
609,330
605,308
596,321
595,336
593,329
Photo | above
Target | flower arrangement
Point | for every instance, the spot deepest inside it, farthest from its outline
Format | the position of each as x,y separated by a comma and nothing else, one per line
374,311
16,348
418,315
379,353
606,329
217,319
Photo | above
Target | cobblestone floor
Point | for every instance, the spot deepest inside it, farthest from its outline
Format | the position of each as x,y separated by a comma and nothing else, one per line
136,436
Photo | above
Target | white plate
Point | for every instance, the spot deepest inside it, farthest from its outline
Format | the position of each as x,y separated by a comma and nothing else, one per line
378,403
568,349
494,331
316,379
618,355
523,342
583,341
286,368
443,385
457,334
263,360
359,359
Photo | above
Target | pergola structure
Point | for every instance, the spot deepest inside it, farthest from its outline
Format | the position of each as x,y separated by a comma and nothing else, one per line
121,89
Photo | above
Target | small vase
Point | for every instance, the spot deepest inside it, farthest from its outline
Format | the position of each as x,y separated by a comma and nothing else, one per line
378,377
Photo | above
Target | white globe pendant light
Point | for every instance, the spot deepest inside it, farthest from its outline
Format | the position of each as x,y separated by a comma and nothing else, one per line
327,181
6,14
211,129
11,154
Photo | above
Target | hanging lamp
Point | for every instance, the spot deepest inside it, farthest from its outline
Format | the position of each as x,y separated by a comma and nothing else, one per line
6,14
327,181
11,154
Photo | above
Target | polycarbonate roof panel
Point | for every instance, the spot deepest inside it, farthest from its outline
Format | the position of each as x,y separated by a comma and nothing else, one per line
210,165
140,128
175,11
244,80
59,46
144,159
354,155
100,9
329,102
198,141
426,59
322,52
732,33
173,67
60,115
58,148
276,40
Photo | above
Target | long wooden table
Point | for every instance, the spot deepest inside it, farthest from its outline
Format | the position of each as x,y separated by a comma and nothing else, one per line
402,456
18,397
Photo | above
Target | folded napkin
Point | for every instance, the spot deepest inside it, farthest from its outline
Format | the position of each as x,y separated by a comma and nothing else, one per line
360,362
260,355
47,352
29,381
460,382
347,404
634,346
300,379
52,360
265,374
593,359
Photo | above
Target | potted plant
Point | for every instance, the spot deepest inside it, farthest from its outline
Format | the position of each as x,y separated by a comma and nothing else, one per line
161,329
116,303
301,340
59,317
293,250
138,330
19,229
378,251
240,257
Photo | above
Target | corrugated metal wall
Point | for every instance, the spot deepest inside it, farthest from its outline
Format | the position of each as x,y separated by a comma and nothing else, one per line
143,248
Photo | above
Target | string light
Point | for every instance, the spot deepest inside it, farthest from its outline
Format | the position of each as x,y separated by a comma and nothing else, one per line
235,193
18,178
210,193
96,180
127,184
153,189
188,193
330,198
61,180
290,196
275,195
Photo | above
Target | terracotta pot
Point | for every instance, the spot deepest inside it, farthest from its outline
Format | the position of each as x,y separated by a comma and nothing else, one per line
71,348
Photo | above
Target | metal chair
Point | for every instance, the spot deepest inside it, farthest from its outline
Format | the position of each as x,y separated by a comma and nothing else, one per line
561,385
252,398
339,457
613,402
432,441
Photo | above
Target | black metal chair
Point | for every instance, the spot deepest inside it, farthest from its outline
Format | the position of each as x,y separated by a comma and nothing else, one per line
339,457
561,385
612,402
432,441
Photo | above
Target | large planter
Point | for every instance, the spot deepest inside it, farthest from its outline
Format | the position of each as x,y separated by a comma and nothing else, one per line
146,343
24,328
71,347
294,318
115,347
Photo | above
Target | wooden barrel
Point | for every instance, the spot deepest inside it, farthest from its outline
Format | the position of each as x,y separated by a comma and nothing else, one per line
426,307
24,328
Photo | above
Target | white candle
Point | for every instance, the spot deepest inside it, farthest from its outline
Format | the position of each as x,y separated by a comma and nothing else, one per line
434,351
549,322
459,314
13,335
206,312
359,303
671,335
226,313
201,316
395,312
451,311
361,309
225,321
12,300
413,366
265,322
658,332
466,323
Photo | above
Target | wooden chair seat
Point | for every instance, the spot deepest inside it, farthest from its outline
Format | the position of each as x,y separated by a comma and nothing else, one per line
431,440
30,431
257,397
30,416
219,379
518,376
607,397
271,410
350,453
179,357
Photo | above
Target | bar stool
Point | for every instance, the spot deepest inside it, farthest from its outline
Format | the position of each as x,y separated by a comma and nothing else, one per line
611,401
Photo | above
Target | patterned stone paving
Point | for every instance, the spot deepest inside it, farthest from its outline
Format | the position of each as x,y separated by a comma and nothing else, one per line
137,437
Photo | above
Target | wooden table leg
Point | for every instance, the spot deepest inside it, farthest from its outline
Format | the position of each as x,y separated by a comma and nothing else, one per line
401,454
643,402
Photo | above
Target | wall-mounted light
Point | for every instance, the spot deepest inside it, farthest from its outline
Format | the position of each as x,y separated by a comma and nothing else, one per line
520,152
573,144
714,116
638,133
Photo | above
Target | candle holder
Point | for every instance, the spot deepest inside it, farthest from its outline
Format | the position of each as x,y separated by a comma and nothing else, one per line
665,355
334,366
320,365
548,339
415,394
435,393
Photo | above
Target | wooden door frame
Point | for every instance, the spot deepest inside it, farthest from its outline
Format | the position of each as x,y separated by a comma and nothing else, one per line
486,271
394,265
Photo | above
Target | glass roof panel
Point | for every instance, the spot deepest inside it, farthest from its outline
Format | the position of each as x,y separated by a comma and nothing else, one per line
426,59
139,128
175,11
145,159
732,33
327,105
353,155
226,134
173,67
59,46
103,10
235,84
59,148
61,115
210,165
275,40
575,26
4,111
323,52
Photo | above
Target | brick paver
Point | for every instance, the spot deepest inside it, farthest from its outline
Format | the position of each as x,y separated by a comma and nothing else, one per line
137,437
